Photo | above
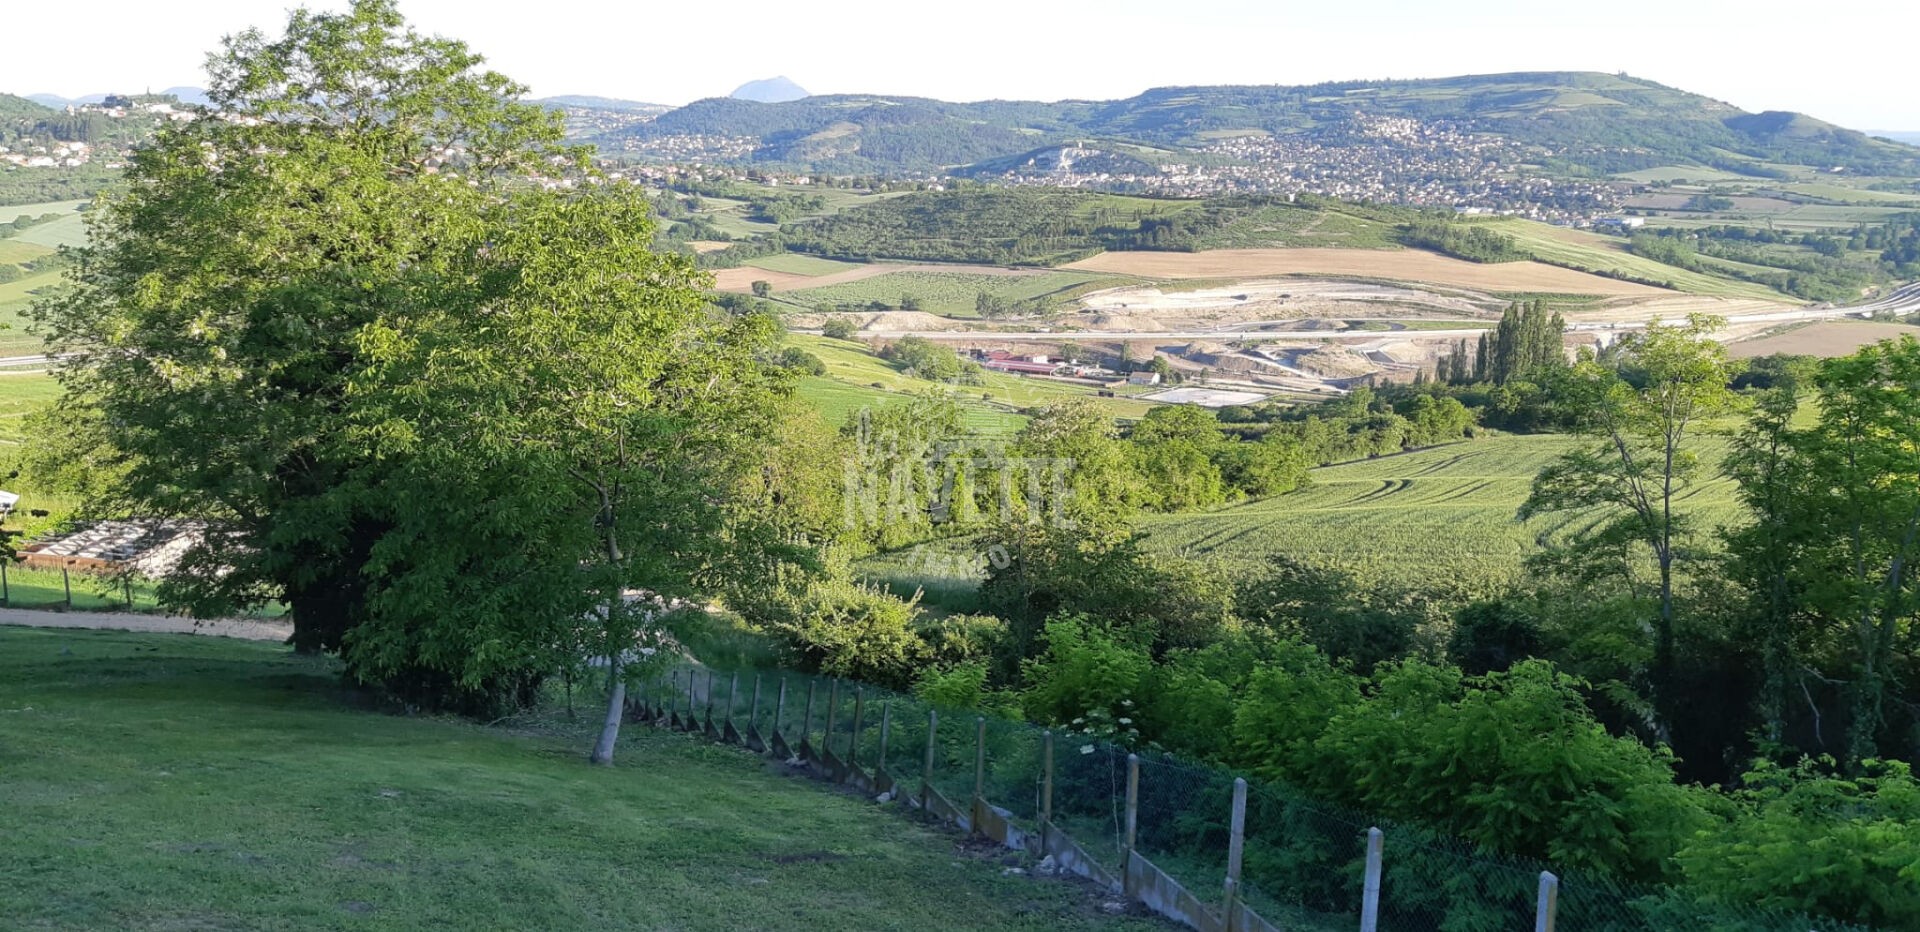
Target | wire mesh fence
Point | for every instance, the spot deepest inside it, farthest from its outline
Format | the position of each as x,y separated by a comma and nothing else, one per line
1303,864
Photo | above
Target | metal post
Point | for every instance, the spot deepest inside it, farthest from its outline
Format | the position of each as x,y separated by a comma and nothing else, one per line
68,584
1236,846
1548,903
979,769
926,772
1133,822
853,744
6,591
1370,893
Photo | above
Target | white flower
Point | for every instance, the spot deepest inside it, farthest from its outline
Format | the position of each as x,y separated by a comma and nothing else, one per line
1126,721
1079,721
1127,702
1086,749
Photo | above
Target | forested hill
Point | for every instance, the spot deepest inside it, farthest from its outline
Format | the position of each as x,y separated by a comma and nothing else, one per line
14,109
1578,122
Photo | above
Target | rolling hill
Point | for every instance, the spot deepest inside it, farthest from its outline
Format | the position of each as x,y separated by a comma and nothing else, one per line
1578,123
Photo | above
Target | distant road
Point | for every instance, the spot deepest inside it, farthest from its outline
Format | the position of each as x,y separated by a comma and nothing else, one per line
249,629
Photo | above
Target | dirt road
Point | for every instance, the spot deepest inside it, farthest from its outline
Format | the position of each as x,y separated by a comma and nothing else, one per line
251,629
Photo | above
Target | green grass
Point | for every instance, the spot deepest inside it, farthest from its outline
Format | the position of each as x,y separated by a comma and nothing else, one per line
14,299
70,230
15,252
176,782
799,265
1591,252
9,214
854,364
1445,515
953,294
839,401
44,589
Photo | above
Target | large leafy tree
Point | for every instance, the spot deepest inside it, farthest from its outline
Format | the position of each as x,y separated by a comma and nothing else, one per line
339,178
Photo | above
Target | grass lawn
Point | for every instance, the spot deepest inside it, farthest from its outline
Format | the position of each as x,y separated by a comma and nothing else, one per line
177,782
854,363
1593,252
797,264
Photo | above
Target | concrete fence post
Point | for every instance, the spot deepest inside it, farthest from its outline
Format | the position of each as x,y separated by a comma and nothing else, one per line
709,697
753,709
1133,823
691,676
1370,891
853,744
1236,849
1548,904
886,729
926,769
733,696
6,591
66,582
979,769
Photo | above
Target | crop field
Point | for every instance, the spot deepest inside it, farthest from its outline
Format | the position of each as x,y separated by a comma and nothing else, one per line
1394,265
795,264
14,298
1594,252
952,294
1441,515
70,230
839,402
854,365
1301,227
1825,338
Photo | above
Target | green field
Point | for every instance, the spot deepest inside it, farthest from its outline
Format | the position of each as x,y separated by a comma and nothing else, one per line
14,299
1442,515
1595,253
9,214
952,294
178,782
799,265
854,365
21,394
70,230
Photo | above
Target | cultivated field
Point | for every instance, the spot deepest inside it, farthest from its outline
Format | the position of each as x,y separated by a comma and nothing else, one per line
742,279
1400,264
951,294
1594,252
1824,338
179,782
796,264
1443,516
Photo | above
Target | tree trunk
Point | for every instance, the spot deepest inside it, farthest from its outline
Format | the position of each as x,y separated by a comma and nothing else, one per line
616,709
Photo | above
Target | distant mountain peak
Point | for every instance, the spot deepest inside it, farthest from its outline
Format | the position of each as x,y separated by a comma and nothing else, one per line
770,91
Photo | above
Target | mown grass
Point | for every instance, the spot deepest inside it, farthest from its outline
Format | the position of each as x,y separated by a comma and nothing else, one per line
177,782
855,364
798,264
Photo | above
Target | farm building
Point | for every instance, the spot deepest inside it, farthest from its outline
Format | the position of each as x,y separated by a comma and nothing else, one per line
1023,366
149,548
1143,378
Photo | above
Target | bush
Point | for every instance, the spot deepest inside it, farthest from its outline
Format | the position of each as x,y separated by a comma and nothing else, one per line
839,328
1087,677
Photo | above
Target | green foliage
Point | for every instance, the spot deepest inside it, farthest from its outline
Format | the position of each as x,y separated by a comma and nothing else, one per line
922,358
1086,671
839,328
1806,840
1463,241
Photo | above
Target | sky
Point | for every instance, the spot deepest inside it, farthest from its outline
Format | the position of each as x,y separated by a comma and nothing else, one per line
1841,62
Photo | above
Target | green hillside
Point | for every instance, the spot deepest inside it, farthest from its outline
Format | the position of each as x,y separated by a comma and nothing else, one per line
1591,124
179,782
1440,517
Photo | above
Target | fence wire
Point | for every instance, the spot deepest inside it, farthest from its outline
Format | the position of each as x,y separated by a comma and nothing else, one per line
1304,861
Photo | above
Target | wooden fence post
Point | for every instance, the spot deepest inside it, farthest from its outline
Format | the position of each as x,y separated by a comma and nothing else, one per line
753,710
807,719
1046,788
1133,823
780,707
1548,904
691,676
886,727
709,697
979,770
926,770
6,591
1370,891
853,744
833,713
1236,848
67,583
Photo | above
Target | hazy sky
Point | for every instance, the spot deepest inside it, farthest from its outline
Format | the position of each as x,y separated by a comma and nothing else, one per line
1845,62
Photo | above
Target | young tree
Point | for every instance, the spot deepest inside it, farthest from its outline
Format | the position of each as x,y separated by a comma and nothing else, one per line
1645,458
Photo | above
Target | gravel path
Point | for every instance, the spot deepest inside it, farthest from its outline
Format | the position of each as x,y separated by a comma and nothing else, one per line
158,624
